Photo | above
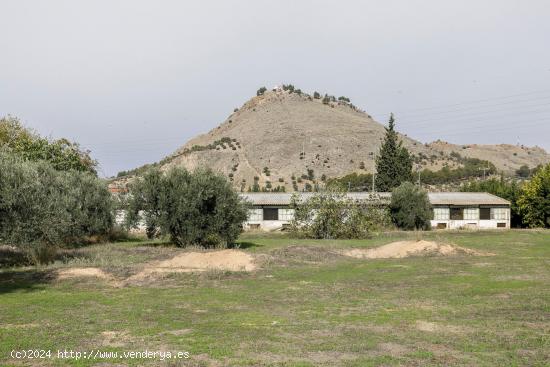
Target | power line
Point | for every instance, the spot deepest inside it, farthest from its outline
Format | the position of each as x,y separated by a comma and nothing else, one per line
477,101
469,116
476,107
532,123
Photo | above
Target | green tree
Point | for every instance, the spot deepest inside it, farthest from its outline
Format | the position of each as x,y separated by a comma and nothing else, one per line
509,190
42,208
523,171
534,200
321,216
145,202
393,163
61,153
410,207
198,208
316,95
352,182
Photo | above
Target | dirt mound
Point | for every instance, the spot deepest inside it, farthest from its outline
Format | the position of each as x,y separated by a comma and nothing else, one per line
190,262
82,272
402,249
232,260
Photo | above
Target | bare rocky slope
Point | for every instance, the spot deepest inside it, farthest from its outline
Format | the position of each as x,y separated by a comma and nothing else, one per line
280,135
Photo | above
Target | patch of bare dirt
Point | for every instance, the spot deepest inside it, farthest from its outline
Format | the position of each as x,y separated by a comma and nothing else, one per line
190,262
70,273
115,338
432,327
401,249
393,349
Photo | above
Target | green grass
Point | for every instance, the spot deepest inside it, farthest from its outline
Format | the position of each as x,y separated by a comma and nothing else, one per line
307,306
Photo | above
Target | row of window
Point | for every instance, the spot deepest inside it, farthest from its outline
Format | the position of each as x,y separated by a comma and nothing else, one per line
438,214
270,214
471,213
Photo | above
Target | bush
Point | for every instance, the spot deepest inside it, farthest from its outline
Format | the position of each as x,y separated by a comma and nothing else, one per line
42,208
344,99
534,200
331,214
261,91
472,168
410,207
352,182
523,171
198,208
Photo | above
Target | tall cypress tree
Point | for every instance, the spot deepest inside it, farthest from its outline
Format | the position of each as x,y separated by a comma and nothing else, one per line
393,163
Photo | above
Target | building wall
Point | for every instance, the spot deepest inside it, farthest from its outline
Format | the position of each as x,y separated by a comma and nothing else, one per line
471,224
499,218
255,221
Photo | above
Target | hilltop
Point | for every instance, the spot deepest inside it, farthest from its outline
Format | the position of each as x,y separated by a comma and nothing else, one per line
284,135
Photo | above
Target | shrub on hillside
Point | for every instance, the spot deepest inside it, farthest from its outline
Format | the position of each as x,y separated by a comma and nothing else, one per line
410,207
261,91
193,208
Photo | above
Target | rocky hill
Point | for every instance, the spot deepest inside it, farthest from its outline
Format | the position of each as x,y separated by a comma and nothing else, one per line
283,136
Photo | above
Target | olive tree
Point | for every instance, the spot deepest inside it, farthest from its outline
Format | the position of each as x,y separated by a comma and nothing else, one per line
410,207
193,208
42,208
331,214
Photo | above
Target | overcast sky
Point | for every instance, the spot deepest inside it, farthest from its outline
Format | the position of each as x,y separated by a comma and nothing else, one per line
133,80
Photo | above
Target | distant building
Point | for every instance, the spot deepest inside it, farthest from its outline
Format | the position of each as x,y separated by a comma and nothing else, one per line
451,210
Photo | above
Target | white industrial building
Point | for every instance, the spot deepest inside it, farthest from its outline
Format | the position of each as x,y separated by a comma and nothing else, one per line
451,210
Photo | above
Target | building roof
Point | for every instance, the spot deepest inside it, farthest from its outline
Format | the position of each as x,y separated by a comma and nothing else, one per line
436,198
465,198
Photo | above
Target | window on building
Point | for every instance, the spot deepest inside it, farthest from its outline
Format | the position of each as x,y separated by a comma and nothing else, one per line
286,214
499,213
471,213
254,215
485,213
271,214
441,213
457,213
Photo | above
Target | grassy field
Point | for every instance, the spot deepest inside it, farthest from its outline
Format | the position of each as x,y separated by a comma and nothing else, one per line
306,306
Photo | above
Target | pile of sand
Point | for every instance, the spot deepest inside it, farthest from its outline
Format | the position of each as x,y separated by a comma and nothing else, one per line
402,249
82,272
231,260
190,262
224,260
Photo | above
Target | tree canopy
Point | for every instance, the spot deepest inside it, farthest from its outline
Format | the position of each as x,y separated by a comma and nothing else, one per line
62,154
42,208
410,207
193,208
393,163
534,200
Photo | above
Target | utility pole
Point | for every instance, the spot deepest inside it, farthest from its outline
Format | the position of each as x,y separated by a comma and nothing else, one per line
484,169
